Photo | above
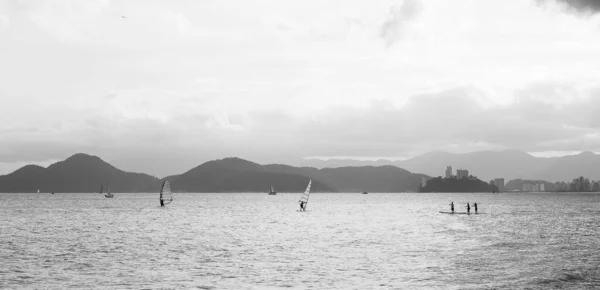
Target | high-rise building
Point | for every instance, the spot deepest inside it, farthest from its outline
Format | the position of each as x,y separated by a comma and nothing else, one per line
448,171
462,173
499,184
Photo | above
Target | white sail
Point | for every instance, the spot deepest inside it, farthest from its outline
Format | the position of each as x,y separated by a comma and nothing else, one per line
108,193
165,193
306,194
38,191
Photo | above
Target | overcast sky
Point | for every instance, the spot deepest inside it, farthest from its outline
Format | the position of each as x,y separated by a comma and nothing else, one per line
161,86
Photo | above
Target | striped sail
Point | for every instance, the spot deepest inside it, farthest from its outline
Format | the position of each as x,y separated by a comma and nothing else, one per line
165,193
306,194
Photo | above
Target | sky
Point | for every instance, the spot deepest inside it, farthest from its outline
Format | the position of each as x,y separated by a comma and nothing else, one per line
162,86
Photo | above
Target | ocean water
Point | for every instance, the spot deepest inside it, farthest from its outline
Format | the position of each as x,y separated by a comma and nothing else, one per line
343,241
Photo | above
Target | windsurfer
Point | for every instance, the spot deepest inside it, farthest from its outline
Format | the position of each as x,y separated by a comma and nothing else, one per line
162,203
302,206
475,206
468,208
452,206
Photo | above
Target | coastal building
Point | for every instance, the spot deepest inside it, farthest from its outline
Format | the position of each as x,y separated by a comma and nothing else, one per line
448,171
527,187
596,186
499,182
561,186
462,173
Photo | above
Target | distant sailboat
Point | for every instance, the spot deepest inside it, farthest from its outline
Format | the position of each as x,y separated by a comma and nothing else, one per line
108,193
304,198
272,191
166,196
101,188
38,190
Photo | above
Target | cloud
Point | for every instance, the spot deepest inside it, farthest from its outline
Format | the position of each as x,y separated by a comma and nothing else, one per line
393,28
142,131
4,21
580,6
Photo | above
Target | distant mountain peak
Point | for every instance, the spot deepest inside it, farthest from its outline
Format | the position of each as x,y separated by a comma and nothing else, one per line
233,163
83,157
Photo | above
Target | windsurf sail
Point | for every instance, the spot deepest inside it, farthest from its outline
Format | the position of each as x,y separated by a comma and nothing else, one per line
306,194
272,191
101,188
38,191
166,196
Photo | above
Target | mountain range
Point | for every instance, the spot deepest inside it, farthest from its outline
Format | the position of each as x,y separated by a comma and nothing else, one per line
85,173
78,173
487,165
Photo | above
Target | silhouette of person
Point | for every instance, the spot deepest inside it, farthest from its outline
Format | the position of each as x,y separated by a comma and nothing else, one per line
468,208
162,203
452,206
475,206
302,206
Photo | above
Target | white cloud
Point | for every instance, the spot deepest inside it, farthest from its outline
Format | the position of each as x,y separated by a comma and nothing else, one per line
4,21
265,79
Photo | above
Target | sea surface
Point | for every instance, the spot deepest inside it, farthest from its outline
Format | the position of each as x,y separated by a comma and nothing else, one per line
257,241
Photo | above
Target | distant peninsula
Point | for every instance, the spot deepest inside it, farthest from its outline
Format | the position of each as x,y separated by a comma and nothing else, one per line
453,184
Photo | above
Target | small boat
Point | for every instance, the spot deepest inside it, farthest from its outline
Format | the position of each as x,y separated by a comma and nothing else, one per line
304,198
108,193
364,192
272,191
166,196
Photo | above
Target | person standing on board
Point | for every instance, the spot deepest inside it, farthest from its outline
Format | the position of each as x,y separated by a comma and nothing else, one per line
475,206
468,208
162,203
452,206
302,206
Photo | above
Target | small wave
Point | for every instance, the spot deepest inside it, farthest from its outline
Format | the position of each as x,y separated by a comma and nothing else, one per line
565,277
511,245
562,278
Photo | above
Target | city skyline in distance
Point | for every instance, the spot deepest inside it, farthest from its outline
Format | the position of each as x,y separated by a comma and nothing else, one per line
172,85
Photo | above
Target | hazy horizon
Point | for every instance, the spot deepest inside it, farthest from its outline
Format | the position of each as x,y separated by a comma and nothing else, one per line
159,87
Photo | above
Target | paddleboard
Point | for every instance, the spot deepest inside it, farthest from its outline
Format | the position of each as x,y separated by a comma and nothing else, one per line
449,212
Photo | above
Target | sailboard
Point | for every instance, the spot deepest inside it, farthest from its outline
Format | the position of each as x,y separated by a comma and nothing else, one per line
108,193
38,190
166,196
306,195
272,191
101,188
456,212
